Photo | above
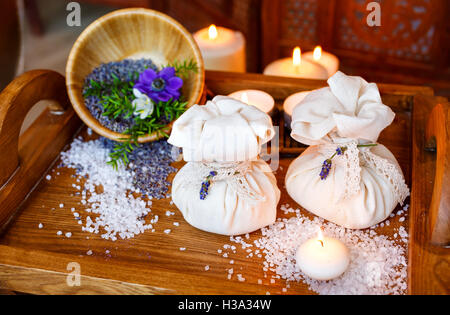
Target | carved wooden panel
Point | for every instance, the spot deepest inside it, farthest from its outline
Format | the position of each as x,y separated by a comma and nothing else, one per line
411,46
300,21
407,31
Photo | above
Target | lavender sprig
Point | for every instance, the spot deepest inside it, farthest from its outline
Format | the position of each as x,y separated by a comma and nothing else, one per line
326,166
205,185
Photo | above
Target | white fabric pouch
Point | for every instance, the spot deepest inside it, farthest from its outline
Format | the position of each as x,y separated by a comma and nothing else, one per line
224,188
345,176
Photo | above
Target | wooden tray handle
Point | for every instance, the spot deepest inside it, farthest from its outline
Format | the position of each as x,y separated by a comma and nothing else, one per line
15,102
438,136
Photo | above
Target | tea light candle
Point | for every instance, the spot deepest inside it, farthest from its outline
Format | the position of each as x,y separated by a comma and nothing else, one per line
289,105
260,99
325,59
296,67
323,258
222,49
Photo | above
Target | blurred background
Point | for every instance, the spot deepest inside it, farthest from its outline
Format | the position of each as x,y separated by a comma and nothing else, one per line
411,46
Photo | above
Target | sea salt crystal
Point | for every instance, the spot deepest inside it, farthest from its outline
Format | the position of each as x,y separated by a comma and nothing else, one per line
40,225
167,231
61,205
232,261
401,219
118,212
182,249
206,268
59,233
378,265
48,177
89,252
68,234
176,223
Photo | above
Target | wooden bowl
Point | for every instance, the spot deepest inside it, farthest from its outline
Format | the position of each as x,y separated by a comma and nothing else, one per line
131,33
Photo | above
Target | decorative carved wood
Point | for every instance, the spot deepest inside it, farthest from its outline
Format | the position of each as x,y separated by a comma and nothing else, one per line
411,46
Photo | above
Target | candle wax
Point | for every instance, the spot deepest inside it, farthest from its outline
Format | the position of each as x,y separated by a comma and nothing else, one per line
290,103
306,69
329,61
259,99
324,260
226,52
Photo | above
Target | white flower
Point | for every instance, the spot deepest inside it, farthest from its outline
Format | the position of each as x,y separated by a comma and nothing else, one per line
143,104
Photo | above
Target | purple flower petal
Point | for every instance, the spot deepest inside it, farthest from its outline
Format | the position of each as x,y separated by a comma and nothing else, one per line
164,96
148,76
167,73
174,83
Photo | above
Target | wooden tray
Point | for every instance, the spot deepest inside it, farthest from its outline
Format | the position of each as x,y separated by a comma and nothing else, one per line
35,260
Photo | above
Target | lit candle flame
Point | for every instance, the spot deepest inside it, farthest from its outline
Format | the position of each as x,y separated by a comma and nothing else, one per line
244,98
317,53
297,56
212,32
320,237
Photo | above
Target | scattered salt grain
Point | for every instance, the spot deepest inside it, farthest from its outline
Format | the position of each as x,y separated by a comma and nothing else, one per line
89,252
182,249
59,233
68,235
40,225
48,177
378,265
61,205
176,223
401,219
167,231
206,268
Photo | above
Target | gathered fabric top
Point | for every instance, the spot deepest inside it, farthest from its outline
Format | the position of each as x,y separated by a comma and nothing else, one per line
350,108
223,130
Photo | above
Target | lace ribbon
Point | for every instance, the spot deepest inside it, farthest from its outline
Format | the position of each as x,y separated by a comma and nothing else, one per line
233,173
354,157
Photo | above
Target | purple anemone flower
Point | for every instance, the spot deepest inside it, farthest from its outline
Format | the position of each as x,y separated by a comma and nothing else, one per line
161,86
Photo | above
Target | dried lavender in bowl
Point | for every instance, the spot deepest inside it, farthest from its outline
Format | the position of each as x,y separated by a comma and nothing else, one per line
125,71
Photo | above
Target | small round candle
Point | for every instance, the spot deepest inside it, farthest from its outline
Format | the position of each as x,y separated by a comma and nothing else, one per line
259,99
296,67
325,59
323,258
222,49
289,105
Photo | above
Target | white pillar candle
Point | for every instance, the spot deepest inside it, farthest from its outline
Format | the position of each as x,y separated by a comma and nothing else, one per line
296,67
323,258
222,49
259,99
325,59
289,105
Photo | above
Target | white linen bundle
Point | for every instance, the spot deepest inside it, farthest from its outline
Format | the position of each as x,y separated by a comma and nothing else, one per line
364,183
224,188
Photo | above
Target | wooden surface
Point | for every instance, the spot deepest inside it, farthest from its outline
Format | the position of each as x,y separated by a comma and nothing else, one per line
129,33
438,130
21,169
429,265
34,260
